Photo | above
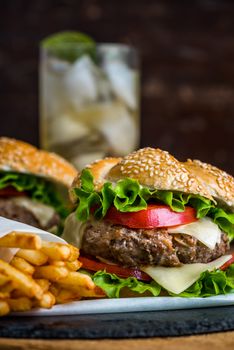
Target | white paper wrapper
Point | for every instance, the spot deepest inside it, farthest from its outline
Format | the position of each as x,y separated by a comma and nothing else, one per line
7,226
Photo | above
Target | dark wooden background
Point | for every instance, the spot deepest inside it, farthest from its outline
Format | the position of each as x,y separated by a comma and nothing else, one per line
187,52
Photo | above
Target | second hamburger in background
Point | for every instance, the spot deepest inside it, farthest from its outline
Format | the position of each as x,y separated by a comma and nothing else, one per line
34,185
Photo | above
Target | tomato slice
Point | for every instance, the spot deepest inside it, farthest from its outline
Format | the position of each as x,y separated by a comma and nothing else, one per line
94,265
11,192
154,216
228,263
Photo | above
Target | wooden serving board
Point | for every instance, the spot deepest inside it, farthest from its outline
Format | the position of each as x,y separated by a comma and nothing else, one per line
217,341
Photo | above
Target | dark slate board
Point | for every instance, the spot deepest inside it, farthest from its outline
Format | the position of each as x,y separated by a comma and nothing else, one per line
122,325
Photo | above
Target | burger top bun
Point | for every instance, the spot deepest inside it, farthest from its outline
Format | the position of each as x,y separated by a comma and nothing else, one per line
219,184
158,169
99,170
22,157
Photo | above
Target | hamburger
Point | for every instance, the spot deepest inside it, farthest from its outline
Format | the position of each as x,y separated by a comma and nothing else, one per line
149,224
33,185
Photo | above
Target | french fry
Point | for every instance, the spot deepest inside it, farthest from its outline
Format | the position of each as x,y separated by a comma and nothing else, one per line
22,281
73,265
57,263
4,308
35,257
54,290
82,291
20,304
21,240
93,293
17,293
8,287
66,295
3,279
74,253
47,301
44,284
22,265
77,279
56,251
4,295
50,272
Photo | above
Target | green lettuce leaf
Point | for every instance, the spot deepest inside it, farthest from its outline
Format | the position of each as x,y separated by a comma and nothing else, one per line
209,284
129,196
37,188
112,284
224,220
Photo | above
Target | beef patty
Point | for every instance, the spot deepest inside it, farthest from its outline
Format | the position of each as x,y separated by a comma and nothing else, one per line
12,211
136,247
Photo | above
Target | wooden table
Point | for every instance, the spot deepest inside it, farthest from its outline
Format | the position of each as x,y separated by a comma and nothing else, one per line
213,341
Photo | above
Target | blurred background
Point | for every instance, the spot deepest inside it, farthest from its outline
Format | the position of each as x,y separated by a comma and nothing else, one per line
187,67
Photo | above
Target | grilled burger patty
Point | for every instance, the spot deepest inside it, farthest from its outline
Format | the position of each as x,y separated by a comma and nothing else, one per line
136,247
10,210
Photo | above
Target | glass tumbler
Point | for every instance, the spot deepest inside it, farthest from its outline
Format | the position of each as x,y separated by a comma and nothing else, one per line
89,101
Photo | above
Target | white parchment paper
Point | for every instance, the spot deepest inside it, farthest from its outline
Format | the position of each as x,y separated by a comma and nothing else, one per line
7,226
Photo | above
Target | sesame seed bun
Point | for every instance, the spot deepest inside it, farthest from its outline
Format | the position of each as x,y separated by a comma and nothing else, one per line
99,169
24,158
157,169
219,184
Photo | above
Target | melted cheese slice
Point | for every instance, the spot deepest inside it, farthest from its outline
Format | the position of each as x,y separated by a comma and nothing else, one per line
73,230
42,212
204,230
178,279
